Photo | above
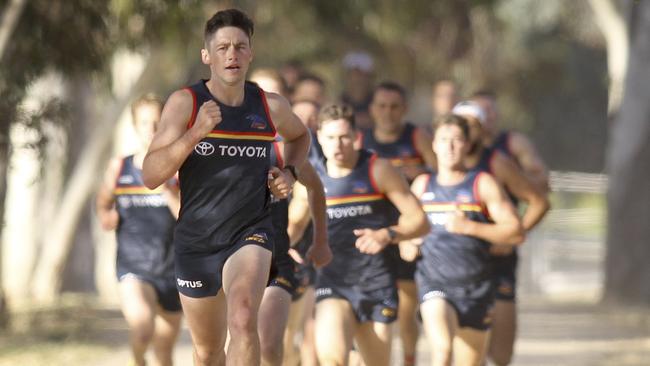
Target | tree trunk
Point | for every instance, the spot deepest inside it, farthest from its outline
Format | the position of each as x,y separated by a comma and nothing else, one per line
10,18
4,163
612,25
82,183
20,234
627,273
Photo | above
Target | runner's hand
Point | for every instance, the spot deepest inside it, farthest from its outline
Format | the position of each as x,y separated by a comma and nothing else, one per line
207,119
319,254
280,182
371,241
456,222
409,250
295,255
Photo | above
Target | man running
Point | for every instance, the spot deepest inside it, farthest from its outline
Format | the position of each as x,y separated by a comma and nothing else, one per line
283,284
356,297
408,148
218,134
518,147
144,222
467,211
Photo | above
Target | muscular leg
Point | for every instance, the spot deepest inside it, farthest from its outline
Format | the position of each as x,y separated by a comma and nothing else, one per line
273,315
138,300
165,334
294,325
504,331
408,326
308,350
470,346
440,324
374,342
245,275
206,318
335,325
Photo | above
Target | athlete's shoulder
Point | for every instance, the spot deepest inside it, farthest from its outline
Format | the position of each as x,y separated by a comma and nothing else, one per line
276,102
420,183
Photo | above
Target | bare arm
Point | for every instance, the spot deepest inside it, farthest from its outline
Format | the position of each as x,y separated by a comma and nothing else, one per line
298,214
506,171
171,192
294,134
173,142
530,161
412,221
319,252
105,201
506,228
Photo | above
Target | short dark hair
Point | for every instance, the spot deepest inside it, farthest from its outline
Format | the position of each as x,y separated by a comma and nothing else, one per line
311,77
451,120
228,18
390,86
336,111
485,93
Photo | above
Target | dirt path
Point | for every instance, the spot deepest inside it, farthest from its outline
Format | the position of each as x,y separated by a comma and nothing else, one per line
551,334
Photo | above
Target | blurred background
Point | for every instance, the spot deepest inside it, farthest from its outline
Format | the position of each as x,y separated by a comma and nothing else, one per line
572,75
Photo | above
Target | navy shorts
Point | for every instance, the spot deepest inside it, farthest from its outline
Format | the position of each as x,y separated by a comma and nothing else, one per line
199,274
504,269
473,302
378,305
284,276
165,287
402,270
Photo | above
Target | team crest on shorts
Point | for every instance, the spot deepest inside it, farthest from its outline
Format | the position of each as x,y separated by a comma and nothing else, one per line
258,237
388,312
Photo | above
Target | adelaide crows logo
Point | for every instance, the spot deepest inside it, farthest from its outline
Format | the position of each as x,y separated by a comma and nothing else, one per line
257,122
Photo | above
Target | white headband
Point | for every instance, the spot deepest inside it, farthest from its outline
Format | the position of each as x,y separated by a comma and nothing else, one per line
471,109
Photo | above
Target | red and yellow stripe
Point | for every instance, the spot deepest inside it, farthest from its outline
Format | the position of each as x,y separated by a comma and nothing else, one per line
449,207
268,136
356,198
137,190
399,162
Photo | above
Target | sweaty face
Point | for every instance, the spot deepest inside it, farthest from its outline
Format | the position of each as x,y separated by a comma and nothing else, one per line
337,139
387,109
229,55
307,112
146,117
450,146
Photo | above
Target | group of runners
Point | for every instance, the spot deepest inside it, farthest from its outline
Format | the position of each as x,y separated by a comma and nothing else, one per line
266,215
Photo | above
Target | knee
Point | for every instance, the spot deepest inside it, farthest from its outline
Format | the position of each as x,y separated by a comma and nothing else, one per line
209,355
142,334
242,320
442,352
271,350
501,358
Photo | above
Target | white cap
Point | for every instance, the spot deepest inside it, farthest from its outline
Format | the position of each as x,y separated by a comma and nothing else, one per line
470,108
359,60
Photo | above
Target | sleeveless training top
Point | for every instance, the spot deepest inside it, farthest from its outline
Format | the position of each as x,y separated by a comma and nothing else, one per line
354,202
223,181
452,259
144,232
401,153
